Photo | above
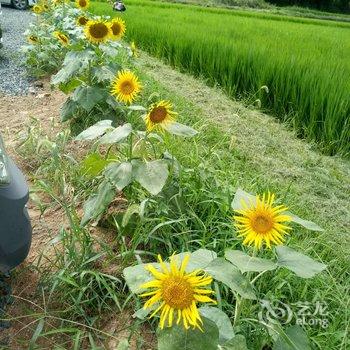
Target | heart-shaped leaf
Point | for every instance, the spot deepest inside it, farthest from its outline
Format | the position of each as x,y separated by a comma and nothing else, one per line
96,204
88,96
116,135
95,131
293,338
68,109
103,74
248,263
137,275
299,263
221,320
119,174
199,259
180,129
223,271
177,337
305,223
238,342
94,164
151,175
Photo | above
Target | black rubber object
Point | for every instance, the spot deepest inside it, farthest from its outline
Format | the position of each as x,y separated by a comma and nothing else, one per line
15,228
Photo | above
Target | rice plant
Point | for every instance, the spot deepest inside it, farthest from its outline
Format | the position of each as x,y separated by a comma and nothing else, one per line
303,62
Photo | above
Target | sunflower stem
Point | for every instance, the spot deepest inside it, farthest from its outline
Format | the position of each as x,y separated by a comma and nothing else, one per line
238,309
257,276
130,147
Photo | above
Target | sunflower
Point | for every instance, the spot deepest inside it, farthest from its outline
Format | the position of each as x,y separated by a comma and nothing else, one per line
33,39
262,221
97,31
37,9
159,115
82,20
177,291
118,28
82,4
126,86
62,38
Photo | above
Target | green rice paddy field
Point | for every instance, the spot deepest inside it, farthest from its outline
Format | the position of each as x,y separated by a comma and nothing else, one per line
305,63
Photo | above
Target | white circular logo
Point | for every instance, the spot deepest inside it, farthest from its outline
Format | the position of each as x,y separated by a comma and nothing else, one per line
275,311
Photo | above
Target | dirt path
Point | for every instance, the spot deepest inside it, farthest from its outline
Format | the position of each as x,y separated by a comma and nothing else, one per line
17,114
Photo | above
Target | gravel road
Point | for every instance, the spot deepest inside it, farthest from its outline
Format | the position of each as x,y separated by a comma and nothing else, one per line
13,79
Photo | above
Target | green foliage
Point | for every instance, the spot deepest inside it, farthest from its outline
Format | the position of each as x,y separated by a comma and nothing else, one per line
294,338
302,265
183,212
247,263
304,63
221,320
176,337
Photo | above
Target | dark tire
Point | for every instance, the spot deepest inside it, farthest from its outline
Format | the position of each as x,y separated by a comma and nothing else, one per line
20,4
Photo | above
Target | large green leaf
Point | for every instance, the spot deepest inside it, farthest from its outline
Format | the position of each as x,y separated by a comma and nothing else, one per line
221,320
70,85
299,263
112,102
199,259
178,338
73,63
109,50
132,209
249,263
229,274
65,73
249,199
242,197
116,135
119,174
180,130
305,223
83,57
238,342
68,109
95,130
151,175
94,163
293,338
96,204
137,275
103,74
88,96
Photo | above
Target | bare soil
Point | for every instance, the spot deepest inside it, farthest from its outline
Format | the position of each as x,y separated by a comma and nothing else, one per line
17,113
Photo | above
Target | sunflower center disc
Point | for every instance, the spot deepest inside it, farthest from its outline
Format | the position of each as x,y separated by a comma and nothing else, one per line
262,224
177,293
127,87
158,114
63,39
82,20
82,3
99,31
116,29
